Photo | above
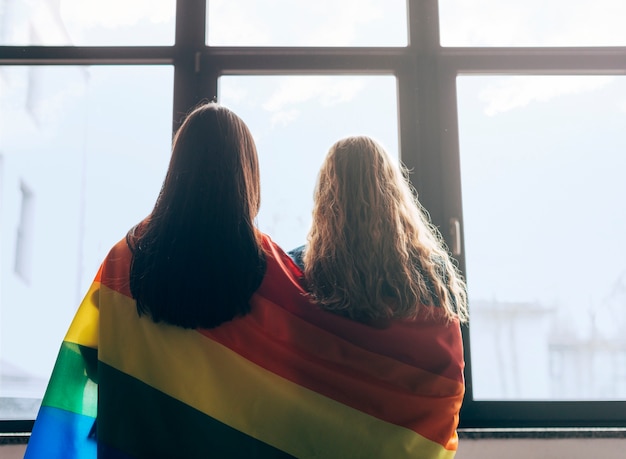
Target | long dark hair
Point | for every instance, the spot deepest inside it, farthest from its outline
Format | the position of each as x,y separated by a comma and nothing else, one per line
197,259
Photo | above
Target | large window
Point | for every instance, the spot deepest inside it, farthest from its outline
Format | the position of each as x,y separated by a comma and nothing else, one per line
84,150
533,98
509,114
541,165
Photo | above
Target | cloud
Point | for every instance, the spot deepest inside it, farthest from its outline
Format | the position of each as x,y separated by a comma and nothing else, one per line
233,93
327,91
484,22
285,117
342,26
519,91
621,105
532,23
114,13
239,22
584,23
317,23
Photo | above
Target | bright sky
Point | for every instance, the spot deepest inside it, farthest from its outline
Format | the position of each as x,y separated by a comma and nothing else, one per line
532,22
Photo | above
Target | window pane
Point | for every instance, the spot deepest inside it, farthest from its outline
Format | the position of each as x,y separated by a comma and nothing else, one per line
83,152
295,120
87,22
532,22
542,162
318,23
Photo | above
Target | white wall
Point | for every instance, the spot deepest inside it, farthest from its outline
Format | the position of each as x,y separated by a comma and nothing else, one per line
12,451
579,448
584,448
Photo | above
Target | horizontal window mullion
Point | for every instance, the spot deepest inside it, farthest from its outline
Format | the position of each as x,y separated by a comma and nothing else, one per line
16,426
535,60
71,55
543,414
313,65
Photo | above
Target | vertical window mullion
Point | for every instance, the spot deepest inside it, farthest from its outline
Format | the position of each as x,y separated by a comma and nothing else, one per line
420,121
190,42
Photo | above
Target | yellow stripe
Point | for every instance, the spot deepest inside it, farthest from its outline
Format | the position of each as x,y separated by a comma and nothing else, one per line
84,327
245,396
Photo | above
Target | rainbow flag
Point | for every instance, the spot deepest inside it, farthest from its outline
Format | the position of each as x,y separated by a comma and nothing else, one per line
286,380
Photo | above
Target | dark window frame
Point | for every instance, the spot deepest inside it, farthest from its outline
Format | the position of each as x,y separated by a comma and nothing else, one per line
428,133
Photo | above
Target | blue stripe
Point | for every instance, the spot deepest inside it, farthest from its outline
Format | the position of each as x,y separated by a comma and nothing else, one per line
61,434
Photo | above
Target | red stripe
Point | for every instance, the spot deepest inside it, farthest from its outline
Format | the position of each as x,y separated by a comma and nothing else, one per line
405,340
115,271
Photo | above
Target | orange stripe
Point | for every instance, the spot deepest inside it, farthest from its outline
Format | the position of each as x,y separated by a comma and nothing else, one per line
116,268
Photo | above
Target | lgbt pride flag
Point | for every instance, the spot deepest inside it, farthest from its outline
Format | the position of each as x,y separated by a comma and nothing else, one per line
286,380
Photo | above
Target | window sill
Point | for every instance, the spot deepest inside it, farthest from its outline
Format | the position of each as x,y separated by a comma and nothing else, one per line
464,434
547,433
19,438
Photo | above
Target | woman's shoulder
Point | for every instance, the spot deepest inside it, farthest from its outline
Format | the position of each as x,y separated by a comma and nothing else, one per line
286,260
115,268
297,255
283,277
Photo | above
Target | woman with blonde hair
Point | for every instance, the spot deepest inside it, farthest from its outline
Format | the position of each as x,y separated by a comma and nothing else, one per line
375,261
372,253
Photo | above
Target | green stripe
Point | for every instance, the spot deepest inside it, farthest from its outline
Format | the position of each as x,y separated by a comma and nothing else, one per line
144,422
70,387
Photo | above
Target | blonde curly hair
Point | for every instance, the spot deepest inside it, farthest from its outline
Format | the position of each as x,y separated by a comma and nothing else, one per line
372,253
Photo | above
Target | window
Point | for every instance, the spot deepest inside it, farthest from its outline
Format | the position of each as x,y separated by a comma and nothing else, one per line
87,23
319,23
532,23
78,171
536,132
281,112
512,130
541,158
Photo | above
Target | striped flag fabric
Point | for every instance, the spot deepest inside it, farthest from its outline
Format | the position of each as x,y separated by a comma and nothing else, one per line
286,380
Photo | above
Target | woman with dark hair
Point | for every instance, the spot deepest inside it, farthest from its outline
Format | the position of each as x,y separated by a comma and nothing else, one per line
197,259
135,356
